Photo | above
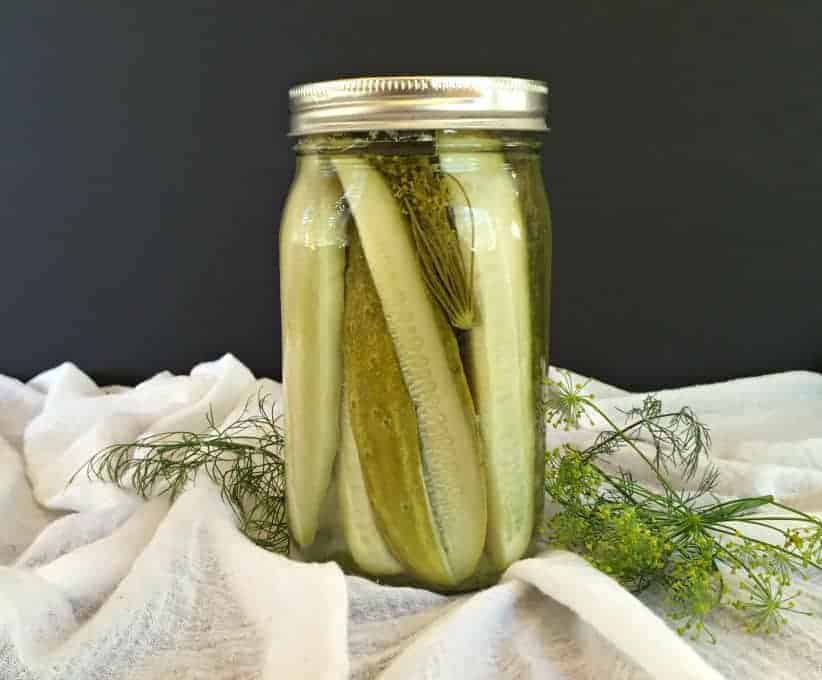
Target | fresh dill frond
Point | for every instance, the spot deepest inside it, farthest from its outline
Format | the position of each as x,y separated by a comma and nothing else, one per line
679,439
686,542
243,458
419,186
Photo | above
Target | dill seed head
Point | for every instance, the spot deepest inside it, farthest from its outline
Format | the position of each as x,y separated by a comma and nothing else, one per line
687,543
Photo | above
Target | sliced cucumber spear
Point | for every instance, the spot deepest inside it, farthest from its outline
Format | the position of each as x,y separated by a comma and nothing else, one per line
312,268
384,427
428,493
363,538
489,219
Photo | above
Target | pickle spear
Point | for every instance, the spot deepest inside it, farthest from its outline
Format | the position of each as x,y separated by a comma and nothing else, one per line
411,411
312,269
384,426
362,536
490,221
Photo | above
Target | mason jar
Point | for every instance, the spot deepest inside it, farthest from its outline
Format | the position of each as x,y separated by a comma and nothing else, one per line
415,251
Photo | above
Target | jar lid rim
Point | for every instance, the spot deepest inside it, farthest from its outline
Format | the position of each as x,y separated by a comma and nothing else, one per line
419,103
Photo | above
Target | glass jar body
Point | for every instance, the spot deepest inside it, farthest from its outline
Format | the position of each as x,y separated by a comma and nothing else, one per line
415,274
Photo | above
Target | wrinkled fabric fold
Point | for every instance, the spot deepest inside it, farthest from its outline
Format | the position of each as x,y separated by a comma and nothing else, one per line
97,583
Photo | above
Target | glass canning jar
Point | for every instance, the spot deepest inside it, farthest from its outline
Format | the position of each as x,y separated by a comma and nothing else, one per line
415,251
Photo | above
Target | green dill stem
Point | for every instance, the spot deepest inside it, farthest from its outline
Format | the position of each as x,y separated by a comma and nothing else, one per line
748,503
618,434
592,452
619,431
810,518
697,537
611,480
756,522
473,234
762,521
630,491
765,544
748,571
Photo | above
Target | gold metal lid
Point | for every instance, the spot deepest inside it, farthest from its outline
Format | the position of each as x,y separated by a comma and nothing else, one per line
418,103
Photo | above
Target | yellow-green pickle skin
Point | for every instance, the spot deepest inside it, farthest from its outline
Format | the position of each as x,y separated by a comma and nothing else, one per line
384,424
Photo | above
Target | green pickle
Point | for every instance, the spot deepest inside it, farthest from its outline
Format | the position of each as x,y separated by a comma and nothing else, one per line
439,319
384,424
312,266
362,535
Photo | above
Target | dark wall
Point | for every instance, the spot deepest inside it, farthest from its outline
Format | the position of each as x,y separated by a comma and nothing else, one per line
143,164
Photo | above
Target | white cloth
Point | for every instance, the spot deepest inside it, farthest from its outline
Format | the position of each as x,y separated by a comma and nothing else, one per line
96,583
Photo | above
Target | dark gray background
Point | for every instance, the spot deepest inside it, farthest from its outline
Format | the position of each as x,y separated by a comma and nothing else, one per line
143,164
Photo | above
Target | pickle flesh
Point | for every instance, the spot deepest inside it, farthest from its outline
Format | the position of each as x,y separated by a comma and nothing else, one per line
312,268
420,453
362,536
489,221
